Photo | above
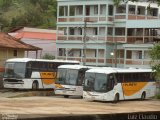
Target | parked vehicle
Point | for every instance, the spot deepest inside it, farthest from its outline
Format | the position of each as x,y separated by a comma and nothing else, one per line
116,84
70,80
26,73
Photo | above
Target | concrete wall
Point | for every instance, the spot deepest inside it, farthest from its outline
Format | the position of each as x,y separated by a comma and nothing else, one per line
8,53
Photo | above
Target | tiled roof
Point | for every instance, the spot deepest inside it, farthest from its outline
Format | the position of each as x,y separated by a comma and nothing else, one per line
7,41
36,35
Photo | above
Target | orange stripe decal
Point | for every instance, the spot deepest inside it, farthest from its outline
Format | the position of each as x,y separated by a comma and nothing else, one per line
48,77
131,88
58,86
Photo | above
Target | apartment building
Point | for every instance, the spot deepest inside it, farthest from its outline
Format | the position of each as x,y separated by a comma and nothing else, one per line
96,32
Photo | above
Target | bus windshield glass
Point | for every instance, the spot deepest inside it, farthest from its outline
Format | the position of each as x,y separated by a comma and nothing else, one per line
67,76
15,70
95,82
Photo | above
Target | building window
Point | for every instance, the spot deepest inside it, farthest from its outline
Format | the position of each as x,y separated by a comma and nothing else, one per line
141,10
15,53
132,9
102,9
131,32
120,31
63,11
72,11
87,10
79,10
96,9
139,54
110,10
121,9
152,12
121,53
62,52
62,30
95,31
110,31
71,31
129,54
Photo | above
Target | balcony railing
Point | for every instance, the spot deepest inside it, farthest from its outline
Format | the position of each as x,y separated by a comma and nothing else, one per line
82,18
120,39
62,37
120,16
75,37
140,39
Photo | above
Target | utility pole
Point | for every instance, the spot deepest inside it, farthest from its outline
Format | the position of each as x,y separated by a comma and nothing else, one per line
115,53
84,43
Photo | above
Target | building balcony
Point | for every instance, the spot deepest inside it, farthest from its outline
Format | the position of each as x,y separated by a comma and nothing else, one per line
70,37
128,62
88,18
89,60
135,17
140,39
89,38
120,16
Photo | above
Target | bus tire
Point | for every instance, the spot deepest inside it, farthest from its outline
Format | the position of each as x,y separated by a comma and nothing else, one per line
143,96
116,98
66,96
35,85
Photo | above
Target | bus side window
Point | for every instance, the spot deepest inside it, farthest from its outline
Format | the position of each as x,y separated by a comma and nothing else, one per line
81,76
35,66
128,77
28,70
119,77
111,81
151,78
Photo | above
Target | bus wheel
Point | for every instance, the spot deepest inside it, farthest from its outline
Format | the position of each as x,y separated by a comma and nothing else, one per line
66,96
143,96
116,98
35,85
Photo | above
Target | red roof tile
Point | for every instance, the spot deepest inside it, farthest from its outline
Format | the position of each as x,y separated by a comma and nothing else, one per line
36,35
7,41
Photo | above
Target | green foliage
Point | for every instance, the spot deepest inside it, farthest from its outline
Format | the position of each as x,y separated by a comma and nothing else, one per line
48,56
155,63
158,96
117,2
31,13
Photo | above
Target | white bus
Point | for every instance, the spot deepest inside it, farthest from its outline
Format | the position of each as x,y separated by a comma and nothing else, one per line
70,79
27,73
118,84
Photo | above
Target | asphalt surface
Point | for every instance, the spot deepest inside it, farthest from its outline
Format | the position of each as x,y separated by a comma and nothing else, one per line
57,106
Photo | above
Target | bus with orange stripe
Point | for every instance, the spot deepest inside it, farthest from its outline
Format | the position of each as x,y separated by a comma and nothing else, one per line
116,84
27,73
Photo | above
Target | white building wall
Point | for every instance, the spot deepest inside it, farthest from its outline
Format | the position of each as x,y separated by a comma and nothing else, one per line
48,46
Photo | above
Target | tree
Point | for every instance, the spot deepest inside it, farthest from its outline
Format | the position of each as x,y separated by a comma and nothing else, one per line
117,2
31,13
48,56
155,63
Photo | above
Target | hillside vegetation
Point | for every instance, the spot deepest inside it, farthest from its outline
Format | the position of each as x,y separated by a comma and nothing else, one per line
30,13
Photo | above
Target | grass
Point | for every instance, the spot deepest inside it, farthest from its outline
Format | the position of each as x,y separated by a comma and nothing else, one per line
158,96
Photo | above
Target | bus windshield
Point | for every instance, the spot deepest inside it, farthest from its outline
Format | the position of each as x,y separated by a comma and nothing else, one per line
95,82
67,76
14,70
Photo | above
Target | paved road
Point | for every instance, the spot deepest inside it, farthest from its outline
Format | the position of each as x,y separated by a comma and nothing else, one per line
37,104
57,105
